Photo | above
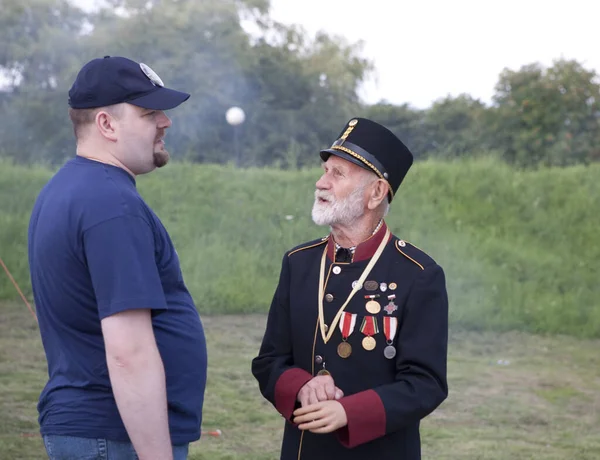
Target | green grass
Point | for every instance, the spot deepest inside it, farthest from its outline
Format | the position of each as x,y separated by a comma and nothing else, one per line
512,395
520,248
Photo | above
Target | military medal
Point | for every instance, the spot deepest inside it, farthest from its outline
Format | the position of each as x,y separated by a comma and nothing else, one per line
389,352
369,328
347,323
369,343
373,307
344,349
326,334
371,285
390,326
391,307
393,286
383,287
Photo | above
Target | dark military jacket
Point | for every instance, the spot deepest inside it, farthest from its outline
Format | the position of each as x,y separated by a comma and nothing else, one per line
384,397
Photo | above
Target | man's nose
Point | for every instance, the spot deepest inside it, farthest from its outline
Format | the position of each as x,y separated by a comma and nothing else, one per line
163,120
323,183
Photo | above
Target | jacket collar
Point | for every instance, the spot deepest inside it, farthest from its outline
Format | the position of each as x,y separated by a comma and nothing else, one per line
364,250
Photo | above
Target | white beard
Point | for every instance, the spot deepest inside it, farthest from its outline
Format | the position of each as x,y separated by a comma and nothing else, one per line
338,212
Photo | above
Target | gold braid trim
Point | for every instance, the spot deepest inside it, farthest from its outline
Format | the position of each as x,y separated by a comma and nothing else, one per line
323,240
368,163
407,256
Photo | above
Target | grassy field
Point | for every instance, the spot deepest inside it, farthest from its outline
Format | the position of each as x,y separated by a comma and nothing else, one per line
512,395
520,248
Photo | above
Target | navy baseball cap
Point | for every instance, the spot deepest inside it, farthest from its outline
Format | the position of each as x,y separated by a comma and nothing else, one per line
113,79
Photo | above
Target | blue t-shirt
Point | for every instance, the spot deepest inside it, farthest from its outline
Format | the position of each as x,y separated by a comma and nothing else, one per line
96,249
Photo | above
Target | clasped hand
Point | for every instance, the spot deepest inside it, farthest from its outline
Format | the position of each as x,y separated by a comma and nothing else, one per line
321,412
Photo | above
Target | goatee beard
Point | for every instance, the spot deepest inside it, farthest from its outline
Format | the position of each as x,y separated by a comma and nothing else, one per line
161,158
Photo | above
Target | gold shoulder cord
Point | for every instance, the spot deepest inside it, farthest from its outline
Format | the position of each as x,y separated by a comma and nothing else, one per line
356,288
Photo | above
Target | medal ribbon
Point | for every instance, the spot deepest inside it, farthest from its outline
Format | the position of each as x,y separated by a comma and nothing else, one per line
390,325
326,336
347,324
369,326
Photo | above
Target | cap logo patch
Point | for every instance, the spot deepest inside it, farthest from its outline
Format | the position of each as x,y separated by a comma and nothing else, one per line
151,74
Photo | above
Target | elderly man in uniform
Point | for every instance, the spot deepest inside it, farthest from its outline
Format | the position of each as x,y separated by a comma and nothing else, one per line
355,349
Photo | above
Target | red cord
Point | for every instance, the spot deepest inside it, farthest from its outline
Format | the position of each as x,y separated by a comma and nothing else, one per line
17,287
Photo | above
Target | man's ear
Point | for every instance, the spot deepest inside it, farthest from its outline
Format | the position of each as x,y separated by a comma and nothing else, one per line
107,125
378,193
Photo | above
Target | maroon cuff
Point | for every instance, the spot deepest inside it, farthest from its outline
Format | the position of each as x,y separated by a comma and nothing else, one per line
286,390
366,418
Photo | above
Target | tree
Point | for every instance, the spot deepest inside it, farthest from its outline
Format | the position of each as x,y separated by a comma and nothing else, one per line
37,42
308,91
549,116
404,121
457,126
296,91
37,50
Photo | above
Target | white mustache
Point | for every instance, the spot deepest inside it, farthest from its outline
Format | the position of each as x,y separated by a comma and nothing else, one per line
322,194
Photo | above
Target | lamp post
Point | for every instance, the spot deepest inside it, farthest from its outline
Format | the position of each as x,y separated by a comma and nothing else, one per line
235,116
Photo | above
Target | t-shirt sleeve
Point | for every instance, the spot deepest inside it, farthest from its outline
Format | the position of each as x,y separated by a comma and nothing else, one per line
120,255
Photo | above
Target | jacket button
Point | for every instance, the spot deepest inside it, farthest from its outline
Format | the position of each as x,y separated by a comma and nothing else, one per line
319,359
329,297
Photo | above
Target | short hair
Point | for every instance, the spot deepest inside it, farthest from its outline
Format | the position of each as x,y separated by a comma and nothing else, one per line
81,118
385,206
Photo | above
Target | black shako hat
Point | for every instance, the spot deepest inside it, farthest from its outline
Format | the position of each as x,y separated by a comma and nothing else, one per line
375,148
114,79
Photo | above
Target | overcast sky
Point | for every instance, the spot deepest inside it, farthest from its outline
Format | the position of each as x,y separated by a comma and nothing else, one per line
427,49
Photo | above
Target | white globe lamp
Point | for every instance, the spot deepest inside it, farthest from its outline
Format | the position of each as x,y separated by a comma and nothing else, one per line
235,116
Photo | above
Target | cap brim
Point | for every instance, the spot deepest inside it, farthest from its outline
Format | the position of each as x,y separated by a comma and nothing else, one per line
161,99
325,155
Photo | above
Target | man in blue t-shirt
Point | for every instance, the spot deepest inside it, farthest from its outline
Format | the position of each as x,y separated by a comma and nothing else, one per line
124,342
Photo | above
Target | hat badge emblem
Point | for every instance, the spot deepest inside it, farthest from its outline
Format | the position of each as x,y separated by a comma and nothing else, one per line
351,125
152,75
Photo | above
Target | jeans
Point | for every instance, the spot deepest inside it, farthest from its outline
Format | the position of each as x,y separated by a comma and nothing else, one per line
74,448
